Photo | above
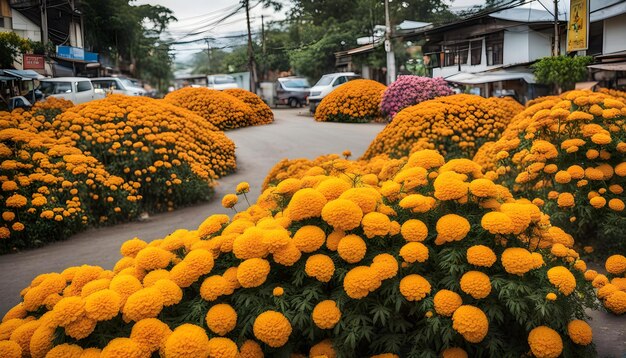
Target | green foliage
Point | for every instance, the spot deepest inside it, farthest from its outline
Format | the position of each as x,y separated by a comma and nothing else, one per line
11,47
561,71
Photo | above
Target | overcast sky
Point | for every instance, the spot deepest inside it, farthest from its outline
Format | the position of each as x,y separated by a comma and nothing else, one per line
200,16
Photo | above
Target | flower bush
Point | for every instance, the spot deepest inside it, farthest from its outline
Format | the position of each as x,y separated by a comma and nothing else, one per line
221,109
262,112
410,90
397,262
567,154
455,125
50,190
355,101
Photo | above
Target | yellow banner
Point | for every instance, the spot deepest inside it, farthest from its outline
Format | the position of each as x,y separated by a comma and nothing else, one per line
578,25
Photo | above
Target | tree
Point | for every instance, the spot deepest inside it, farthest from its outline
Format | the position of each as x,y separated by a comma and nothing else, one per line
11,47
562,72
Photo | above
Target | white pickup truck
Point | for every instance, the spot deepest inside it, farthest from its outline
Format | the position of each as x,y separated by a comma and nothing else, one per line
76,89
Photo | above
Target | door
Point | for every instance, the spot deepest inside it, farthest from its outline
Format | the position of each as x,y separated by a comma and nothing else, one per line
84,92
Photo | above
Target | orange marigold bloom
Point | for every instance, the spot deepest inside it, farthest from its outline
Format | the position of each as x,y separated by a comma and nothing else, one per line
545,342
446,302
579,332
471,322
476,284
451,227
480,255
320,266
517,261
414,287
562,279
306,203
326,314
342,214
272,328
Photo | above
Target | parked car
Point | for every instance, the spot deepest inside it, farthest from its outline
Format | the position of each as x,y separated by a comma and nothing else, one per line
221,82
292,91
327,84
76,89
19,102
118,86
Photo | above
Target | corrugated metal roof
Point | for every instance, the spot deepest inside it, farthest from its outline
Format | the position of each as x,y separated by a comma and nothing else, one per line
520,14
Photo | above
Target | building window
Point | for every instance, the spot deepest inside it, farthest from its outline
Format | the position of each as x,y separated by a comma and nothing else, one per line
476,48
494,44
456,54
596,35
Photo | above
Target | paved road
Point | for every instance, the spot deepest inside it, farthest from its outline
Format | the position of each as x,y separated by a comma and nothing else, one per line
293,135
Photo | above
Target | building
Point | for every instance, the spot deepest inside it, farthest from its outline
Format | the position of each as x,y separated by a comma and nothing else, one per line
490,53
607,43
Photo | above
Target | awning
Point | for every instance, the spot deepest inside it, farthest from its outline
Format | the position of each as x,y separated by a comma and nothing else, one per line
492,76
23,74
585,85
615,66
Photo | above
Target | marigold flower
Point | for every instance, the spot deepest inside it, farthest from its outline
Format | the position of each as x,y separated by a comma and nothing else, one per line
278,291
10,349
471,322
616,302
103,305
306,203
326,314
414,251
385,266
414,287
480,255
517,261
186,341
351,248
451,227
320,266
309,238
229,200
545,342
65,350
68,310
414,230
150,334
221,319
375,224
242,188
616,204
562,279
616,264
360,281
497,223
272,328
446,302
579,332
152,258
476,284
171,292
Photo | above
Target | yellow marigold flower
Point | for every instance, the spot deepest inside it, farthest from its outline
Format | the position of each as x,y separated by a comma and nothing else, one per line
10,349
601,138
375,224
145,303
616,302
426,159
497,223
320,266
288,186
309,238
551,296
150,334
278,291
186,341
253,272
351,248
132,247
599,281
65,350
451,227
414,251
221,347
559,250
287,255
125,285
242,188
480,255
229,200
366,198
153,276
616,204
616,264
102,305
250,244
272,328
171,292
80,328
414,287
576,172
333,187
342,214
152,258
414,230
360,281
562,279
450,186
471,322
597,202
483,188
332,241
8,216
385,266
390,189
545,342
562,177
517,261
579,332
565,200
68,310
446,302
221,319
326,314
23,334
616,189
213,287
306,203
476,284
454,353
16,201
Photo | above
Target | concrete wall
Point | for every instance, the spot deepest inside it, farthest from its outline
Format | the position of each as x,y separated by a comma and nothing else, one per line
25,28
516,45
539,45
614,34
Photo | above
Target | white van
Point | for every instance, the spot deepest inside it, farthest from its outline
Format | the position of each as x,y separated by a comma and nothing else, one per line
76,89
118,86
221,82
327,84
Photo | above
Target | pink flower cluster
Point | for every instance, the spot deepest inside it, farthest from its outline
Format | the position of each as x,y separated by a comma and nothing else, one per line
410,90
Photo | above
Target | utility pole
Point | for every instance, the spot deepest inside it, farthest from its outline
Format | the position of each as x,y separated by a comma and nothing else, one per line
208,51
391,60
557,41
264,70
44,22
251,63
